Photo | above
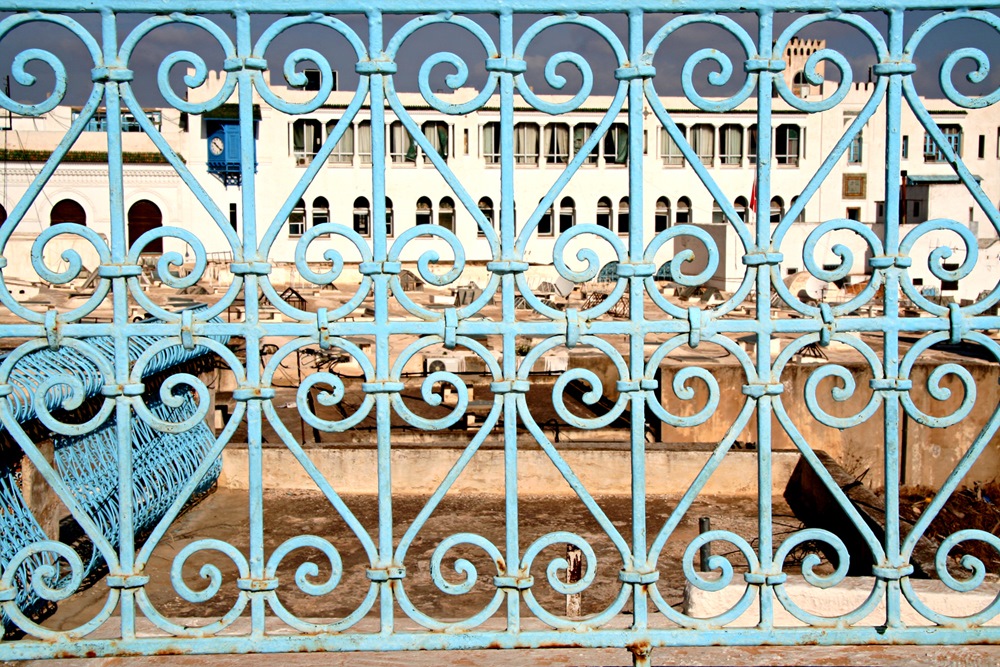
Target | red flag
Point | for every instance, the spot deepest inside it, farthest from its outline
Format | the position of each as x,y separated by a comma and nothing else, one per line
753,195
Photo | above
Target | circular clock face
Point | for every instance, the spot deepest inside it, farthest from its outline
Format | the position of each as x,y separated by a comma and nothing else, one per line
216,146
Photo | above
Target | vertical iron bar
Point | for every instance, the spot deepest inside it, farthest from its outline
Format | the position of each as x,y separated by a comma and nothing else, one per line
765,329
637,356
119,251
507,232
381,304
890,317
251,253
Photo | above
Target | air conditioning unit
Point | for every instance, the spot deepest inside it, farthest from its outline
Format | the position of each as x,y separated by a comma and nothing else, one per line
438,364
302,161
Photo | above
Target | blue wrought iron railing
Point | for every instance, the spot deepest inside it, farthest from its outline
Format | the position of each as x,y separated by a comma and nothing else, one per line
869,322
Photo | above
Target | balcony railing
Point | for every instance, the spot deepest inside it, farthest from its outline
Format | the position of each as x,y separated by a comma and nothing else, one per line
648,377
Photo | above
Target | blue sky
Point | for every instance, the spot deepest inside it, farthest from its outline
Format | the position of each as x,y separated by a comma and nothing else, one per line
670,58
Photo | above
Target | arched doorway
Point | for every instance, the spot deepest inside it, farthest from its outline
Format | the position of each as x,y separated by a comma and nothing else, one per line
143,216
68,210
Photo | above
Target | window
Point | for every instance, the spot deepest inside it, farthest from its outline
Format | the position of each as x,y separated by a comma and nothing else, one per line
752,144
683,211
68,210
670,152
557,143
491,142
307,139
425,211
934,153
777,209
717,214
661,219
388,217
313,79
604,212
906,146
362,216
801,217
486,208
731,144
545,223
623,216
233,217
854,213
365,141
702,140
616,144
297,220
982,146
145,216
854,150
526,144
343,152
465,141
567,214
436,132
949,285
401,146
129,123
787,145
446,214
581,133
742,208
321,211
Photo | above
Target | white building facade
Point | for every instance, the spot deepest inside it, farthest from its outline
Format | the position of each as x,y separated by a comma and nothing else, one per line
673,193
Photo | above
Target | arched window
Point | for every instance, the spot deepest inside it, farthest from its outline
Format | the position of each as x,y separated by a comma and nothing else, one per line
742,207
609,273
68,210
604,212
388,217
297,220
446,214
777,209
683,211
567,214
3,214
486,208
143,216
623,216
425,211
321,211
662,218
545,223
801,217
362,216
